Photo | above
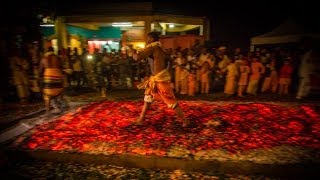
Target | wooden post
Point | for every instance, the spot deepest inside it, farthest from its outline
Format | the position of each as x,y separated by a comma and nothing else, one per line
61,32
147,27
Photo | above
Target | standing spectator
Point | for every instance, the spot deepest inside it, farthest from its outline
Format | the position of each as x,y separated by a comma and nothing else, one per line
244,74
184,77
285,77
178,69
19,67
192,82
306,69
257,69
271,77
231,79
204,77
77,68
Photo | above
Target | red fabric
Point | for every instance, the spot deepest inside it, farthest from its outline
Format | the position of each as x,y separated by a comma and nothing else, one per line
286,71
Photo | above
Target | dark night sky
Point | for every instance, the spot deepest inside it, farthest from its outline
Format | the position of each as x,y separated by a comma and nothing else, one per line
233,22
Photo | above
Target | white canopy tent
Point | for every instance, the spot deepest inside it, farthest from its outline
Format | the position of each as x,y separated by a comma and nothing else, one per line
287,32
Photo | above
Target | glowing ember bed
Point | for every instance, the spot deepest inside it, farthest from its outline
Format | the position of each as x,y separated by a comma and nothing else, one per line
257,132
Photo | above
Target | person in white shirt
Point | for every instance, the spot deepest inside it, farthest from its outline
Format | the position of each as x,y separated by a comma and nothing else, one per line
307,67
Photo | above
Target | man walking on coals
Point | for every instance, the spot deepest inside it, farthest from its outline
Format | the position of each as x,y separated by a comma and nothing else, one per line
158,86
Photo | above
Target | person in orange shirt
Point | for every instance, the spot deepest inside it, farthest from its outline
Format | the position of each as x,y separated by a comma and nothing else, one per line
285,77
271,80
256,70
178,68
244,74
184,77
192,83
204,77
19,68
231,79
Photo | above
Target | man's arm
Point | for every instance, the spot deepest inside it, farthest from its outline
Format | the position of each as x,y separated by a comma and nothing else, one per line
263,69
143,54
41,66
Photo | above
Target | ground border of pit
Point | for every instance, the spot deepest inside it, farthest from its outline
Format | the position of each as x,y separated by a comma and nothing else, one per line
302,170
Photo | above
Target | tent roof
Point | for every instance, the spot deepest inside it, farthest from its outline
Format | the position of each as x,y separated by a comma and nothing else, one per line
289,27
287,32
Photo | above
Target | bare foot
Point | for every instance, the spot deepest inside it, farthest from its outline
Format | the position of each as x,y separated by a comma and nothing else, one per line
56,111
139,121
48,114
186,123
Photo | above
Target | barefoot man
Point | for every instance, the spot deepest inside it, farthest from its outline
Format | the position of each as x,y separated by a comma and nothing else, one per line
158,86
51,69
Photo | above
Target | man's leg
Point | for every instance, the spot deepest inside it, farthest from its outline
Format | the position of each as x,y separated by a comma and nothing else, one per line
145,108
63,105
250,87
286,89
181,116
47,103
240,90
255,87
304,87
56,105
47,106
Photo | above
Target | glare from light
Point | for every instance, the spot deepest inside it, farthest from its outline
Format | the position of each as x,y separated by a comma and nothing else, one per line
171,25
122,25
140,45
117,23
47,25
89,57
109,42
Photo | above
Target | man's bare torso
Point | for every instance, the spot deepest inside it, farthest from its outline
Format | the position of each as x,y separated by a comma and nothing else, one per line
159,60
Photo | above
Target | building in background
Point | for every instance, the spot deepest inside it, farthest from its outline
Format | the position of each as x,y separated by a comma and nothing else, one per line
117,25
